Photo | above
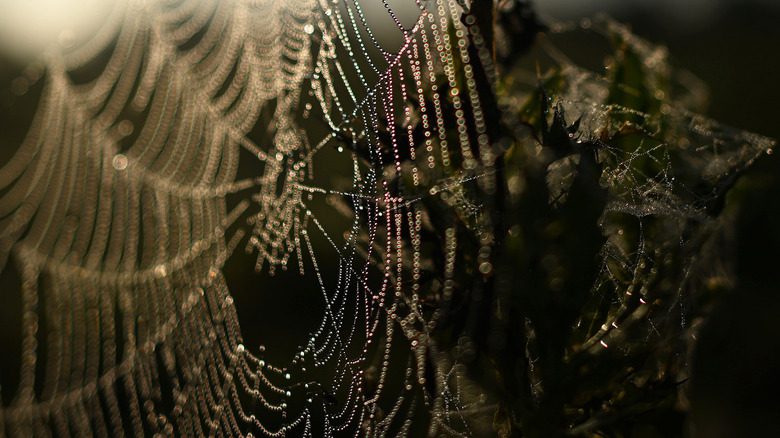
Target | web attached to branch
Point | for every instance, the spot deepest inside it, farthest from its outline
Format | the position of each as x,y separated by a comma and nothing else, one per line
115,215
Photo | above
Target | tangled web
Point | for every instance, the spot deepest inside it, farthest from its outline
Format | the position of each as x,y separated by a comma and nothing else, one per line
117,213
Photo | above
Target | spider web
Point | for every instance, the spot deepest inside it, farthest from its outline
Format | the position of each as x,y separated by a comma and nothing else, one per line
117,215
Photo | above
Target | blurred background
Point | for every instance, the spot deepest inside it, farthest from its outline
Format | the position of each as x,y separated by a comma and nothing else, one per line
733,46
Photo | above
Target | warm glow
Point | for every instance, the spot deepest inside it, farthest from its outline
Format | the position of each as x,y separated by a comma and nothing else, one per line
29,27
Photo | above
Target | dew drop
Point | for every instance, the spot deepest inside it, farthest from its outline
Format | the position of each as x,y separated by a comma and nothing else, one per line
119,162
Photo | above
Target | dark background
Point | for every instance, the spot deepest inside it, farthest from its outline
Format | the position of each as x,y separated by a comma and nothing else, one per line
734,47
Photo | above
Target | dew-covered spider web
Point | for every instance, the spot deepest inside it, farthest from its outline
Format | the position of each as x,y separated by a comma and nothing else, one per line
358,147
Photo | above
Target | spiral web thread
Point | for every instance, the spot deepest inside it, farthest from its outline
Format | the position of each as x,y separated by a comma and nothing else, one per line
114,213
